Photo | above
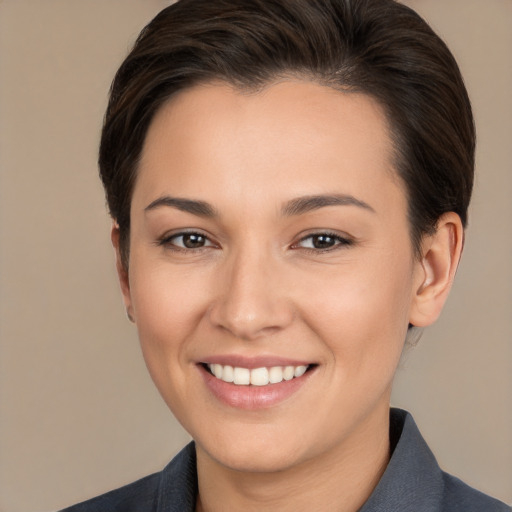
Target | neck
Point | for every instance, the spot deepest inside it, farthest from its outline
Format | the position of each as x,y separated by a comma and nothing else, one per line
341,479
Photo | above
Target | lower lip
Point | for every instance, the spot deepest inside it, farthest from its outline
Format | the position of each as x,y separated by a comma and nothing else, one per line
252,397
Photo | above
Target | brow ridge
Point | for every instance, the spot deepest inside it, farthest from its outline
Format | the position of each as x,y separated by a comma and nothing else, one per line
193,206
305,204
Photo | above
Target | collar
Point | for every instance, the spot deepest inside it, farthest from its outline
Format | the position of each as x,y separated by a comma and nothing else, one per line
412,480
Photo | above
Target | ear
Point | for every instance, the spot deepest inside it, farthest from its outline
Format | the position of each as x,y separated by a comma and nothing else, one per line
122,272
436,271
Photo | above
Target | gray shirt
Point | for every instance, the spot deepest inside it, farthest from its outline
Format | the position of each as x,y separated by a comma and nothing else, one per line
412,482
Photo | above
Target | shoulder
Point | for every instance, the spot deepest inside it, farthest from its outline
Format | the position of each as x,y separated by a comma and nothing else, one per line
139,496
174,490
459,496
413,480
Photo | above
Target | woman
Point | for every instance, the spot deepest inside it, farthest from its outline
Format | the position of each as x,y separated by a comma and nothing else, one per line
289,183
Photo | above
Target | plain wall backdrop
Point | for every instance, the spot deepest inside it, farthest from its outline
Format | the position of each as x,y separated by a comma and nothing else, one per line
78,412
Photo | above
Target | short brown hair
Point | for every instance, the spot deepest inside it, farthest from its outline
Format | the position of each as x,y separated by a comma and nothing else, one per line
378,47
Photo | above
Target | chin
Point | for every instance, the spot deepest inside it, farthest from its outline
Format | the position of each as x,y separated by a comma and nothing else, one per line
253,452
269,461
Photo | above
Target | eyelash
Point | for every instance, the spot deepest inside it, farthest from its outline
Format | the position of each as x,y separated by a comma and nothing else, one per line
339,242
168,241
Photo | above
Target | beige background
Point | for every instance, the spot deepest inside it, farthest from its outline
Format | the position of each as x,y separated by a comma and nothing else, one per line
79,414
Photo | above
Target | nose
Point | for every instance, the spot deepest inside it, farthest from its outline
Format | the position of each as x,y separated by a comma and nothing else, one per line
253,301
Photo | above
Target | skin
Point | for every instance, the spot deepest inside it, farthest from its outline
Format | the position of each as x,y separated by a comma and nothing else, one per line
259,286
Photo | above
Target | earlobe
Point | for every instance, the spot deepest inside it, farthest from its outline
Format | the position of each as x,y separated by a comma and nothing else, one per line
437,268
122,272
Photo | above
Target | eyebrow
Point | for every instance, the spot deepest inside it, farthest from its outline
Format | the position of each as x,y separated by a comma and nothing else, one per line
200,208
306,204
297,206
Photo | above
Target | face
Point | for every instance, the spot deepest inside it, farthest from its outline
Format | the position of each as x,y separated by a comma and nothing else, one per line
270,246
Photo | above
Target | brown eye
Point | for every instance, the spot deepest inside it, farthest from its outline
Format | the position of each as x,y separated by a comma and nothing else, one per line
187,241
193,241
323,242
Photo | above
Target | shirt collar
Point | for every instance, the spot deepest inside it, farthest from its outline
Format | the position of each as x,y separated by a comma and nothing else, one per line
411,481
178,483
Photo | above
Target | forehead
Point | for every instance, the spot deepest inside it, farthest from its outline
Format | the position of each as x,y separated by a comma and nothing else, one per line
291,138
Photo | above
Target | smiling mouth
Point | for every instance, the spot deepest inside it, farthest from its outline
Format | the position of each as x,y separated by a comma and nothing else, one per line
263,376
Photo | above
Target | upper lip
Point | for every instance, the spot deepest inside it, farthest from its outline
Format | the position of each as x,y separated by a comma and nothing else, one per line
264,361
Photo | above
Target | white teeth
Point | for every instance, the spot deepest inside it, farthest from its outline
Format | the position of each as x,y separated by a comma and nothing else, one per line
300,370
217,371
228,375
257,376
241,376
288,373
275,375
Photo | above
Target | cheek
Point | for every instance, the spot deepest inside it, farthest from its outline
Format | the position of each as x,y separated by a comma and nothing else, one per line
361,312
164,296
168,310
168,306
